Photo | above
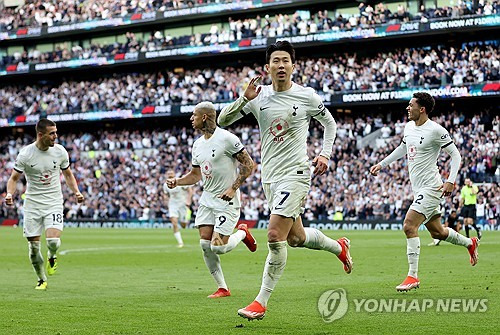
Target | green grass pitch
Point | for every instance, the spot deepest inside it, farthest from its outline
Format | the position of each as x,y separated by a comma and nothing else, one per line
135,281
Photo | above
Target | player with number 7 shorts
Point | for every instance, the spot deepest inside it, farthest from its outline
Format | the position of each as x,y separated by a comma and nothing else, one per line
283,111
42,162
215,159
422,142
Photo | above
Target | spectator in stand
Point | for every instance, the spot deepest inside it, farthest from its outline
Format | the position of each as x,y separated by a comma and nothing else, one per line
401,68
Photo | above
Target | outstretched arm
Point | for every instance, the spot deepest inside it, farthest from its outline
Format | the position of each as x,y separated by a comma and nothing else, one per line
234,111
246,166
191,178
398,153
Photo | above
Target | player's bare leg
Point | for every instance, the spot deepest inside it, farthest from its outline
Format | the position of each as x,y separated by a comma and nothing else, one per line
53,237
177,233
412,221
313,238
449,235
35,255
277,234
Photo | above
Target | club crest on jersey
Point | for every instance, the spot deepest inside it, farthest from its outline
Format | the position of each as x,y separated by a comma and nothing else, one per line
412,152
206,169
46,177
278,129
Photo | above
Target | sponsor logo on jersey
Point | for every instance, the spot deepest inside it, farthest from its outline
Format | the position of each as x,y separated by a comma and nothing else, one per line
46,177
412,152
206,169
278,129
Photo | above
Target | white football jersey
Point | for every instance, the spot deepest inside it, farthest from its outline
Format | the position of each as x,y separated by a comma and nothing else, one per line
219,168
177,196
423,144
283,119
42,170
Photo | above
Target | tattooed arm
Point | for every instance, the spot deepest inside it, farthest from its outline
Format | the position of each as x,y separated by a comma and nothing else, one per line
246,167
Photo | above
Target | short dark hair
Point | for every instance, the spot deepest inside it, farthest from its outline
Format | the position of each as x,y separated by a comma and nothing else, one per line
42,124
425,100
280,46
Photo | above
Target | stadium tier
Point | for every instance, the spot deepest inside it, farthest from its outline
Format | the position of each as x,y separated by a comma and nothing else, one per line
122,172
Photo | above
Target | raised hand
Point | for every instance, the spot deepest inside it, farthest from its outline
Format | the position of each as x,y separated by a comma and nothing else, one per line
252,90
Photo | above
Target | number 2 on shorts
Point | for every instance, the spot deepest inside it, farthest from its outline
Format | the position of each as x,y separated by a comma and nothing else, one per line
286,195
419,198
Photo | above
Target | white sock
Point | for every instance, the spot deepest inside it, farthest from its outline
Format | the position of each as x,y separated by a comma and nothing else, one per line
315,239
233,241
413,252
458,239
53,245
275,264
178,237
212,261
436,241
36,259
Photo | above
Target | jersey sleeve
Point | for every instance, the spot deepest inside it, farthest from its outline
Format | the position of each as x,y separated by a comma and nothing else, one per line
250,107
233,144
20,163
194,161
316,108
64,159
442,137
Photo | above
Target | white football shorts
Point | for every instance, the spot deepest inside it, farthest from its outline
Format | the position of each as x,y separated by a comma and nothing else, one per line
224,220
287,197
37,221
426,202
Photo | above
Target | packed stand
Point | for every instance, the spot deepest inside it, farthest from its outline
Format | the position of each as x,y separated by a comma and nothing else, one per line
51,12
398,69
121,173
278,25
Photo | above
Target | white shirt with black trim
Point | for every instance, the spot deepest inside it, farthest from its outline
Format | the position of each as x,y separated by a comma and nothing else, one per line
423,145
42,170
283,119
219,167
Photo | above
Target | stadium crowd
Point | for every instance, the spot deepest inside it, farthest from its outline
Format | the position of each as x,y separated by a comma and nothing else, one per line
49,12
36,13
268,26
397,69
121,172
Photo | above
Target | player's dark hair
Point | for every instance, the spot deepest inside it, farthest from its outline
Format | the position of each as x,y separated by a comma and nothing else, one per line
425,100
42,124
280,46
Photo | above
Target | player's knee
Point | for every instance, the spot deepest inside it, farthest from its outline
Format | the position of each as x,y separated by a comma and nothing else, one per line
409,228
295,241
218,249
273,235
